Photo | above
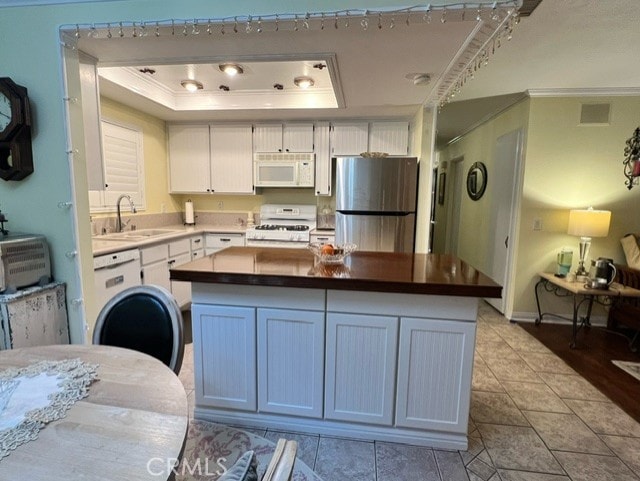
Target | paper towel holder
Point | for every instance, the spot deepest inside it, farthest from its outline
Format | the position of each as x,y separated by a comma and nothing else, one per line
189,217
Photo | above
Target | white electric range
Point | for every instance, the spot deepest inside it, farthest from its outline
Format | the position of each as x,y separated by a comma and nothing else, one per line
283,226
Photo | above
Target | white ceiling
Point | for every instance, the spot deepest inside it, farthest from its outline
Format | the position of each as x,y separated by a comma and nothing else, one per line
564,44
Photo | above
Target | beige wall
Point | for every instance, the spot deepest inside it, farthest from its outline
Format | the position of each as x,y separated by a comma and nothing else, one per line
571,166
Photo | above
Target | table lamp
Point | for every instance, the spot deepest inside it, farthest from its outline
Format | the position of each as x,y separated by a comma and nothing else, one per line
587,223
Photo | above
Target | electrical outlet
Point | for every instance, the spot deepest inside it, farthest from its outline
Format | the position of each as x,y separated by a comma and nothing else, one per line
220,205
537,224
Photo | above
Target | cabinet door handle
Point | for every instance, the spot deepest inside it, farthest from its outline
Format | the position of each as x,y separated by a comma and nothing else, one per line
197,241
225,240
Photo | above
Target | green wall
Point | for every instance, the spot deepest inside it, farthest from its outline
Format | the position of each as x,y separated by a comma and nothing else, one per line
30,53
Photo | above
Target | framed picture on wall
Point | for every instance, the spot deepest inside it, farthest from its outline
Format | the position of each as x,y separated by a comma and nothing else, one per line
441,186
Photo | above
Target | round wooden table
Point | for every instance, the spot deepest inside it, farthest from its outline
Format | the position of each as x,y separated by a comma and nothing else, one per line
132,424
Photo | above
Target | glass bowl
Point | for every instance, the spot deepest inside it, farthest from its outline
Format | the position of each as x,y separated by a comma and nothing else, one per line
331,254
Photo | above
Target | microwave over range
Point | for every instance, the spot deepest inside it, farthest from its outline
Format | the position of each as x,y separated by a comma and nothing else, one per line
284,169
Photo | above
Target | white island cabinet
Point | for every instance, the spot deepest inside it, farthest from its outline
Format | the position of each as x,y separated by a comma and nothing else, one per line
393,367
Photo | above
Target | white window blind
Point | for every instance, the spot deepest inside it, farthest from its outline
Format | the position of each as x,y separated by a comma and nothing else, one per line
123,163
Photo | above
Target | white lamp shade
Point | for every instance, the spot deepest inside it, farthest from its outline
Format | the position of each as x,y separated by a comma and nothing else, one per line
589,222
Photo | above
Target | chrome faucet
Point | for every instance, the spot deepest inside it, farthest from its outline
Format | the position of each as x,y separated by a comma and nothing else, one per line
119,218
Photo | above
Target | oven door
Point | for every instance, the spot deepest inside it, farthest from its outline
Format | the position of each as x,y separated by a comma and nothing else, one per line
275,174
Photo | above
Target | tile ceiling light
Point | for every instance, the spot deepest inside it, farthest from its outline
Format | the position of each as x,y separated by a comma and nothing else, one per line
191,85
303,82
231,69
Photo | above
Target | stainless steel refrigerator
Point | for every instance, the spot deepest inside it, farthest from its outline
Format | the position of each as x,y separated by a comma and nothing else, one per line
376,202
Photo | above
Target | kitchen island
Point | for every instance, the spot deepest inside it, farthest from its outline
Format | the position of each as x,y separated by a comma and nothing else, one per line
380,347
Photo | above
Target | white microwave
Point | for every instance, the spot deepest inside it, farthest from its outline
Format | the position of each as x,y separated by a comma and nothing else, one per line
283,169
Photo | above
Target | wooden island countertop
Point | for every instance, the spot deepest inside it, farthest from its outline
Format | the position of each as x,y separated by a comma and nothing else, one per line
432,274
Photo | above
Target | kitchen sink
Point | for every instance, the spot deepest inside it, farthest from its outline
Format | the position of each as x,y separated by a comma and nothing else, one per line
136,235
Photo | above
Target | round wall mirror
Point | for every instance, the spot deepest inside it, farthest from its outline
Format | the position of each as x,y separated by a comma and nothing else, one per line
477,180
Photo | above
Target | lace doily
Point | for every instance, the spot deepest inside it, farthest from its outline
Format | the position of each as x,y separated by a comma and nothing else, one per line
38,394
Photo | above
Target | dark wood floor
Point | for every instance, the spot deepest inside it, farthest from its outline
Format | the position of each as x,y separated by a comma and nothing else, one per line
596,348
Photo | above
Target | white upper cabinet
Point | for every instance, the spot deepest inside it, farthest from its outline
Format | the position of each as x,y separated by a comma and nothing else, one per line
389,137
323,159
231,159
349,138
295,137
211,158
189,158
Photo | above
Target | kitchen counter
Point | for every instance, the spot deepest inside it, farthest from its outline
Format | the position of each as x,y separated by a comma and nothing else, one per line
362,271
101,245
380,348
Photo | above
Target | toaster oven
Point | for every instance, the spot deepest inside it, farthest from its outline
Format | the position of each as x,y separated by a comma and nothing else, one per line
24,261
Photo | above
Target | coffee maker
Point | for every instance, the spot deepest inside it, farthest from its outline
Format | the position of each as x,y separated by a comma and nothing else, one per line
602,273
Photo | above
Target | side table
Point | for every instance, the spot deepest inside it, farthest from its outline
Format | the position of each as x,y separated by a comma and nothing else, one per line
582,295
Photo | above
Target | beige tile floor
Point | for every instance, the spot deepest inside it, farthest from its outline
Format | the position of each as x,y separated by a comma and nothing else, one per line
532,419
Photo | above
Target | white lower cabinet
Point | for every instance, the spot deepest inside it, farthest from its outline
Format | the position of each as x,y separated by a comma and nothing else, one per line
158,259
215,242
360,367
224,345
435,360
155,266
290,362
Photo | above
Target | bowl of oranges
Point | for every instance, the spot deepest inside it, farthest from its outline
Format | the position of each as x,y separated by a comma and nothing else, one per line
330,253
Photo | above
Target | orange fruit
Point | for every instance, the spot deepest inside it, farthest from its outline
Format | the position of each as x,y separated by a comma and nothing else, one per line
327,249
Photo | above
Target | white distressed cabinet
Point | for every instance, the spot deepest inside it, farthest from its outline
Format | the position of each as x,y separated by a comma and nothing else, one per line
290,362
349,138
434,353
389,137
360,368
224,345
276,137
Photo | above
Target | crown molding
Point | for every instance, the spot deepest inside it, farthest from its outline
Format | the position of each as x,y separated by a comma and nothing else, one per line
589,92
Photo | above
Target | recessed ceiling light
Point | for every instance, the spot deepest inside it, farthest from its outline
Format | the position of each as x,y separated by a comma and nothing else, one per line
303,82
231,69
191,85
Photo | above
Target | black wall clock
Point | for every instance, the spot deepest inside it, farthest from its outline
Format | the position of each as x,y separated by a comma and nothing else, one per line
16,157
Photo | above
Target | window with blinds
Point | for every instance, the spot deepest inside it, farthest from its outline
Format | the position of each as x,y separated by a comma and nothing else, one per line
123,164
